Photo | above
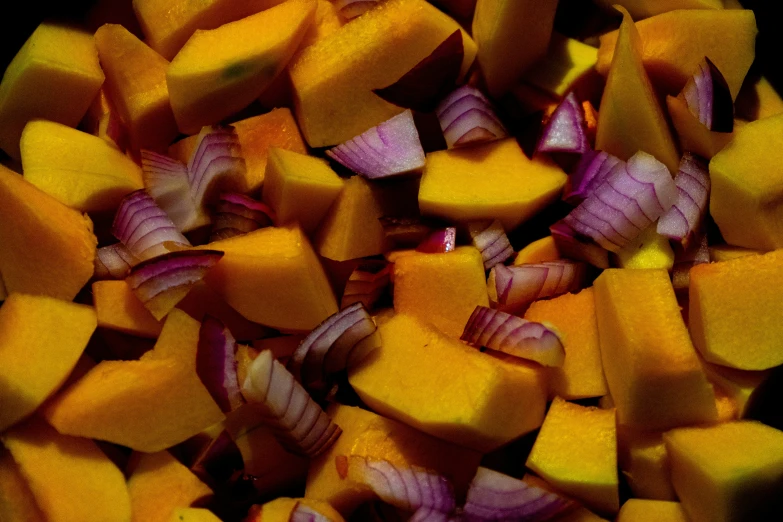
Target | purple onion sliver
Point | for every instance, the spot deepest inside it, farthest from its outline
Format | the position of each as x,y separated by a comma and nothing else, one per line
573,245
491,240
593,168
439,241
143,227
682,221
565,131
466,117
114,262
366,284
216,364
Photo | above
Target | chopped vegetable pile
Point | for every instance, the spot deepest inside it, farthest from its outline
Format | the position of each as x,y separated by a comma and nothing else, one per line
383,260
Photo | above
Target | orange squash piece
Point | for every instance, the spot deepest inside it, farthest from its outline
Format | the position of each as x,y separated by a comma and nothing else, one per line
738,385
573,316
640,9
191,514
630,118
538,251
257,135
758,99
645,464
641,510
442,289
730,309
41,338
281,509
650,364
118,308
136,82
17,503
673,44
366,434
48,248
70,477
693,135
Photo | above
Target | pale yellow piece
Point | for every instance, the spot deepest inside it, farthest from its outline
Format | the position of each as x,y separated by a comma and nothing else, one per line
590,474
493,181
728,471
539,251
80,170
442,288
41,338
640,510
190,514
648,250
566,62
333,79
299,188
221,71
728,252
482,402
70,477
160,484
55,75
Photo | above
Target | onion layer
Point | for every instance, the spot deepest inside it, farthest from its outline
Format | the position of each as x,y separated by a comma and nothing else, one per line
216,164
491,240
466,117
514,288
682,221
114,262
629,201
388,149
216,365
573,245
144,228
513,335
162,282
708,98
439,241
328,347
593,168
296,420
366,283
237,214
566,129
168,183
408,488
426,514
495,496
303,513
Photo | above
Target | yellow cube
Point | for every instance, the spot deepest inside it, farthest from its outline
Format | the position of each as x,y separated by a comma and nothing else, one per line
649,250
493,181
55,75
300,188
640,510
590,474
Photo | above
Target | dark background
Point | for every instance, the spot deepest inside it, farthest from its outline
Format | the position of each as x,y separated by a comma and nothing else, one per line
20,18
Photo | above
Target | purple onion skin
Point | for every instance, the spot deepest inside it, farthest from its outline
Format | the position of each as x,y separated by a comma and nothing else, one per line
216,365
565,132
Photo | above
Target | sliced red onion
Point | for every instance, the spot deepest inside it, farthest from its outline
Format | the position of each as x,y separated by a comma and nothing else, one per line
295,419
627,202
493,496
513,335
350,9
593,168
167,181
466,117
427,514
514,288
218,460
388,149
303,513
216,159
573,245
566,129
439,241
216,365
491,240
162,282
237,214
327,348
366,283
405,487
682,221
144,228
114,262
708,97
430,80
405,232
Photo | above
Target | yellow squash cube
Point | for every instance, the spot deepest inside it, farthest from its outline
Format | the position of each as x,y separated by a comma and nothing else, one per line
640,510
118,308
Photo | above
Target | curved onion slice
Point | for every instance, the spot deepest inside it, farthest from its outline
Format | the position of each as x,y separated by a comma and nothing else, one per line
466,117
350,9
114,262
439,241
302,513
566,129
593,168
408,488
514,288
708,98
216,162
626,203
327,348
682,221
144,228
168,183
162,282
491,240
388,149
216,365
573,245
513,335
426,514
237,214
296,420
493,496
366,283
